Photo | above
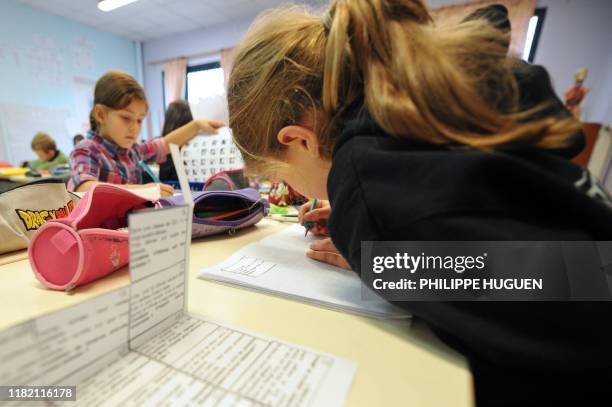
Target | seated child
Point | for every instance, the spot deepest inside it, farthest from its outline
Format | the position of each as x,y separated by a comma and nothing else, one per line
111,152
48,154
419,133
77,139
178,114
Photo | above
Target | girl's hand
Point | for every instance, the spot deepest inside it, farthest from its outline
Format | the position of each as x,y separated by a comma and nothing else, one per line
319,216
185,133
166,190
326,252
209,126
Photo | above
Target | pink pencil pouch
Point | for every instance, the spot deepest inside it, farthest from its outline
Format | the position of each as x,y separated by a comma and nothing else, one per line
90,243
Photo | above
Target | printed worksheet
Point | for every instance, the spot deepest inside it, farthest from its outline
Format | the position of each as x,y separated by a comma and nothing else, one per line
278,265
138,346
207,155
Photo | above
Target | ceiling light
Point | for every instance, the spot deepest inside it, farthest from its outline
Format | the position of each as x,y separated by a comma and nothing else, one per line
108,5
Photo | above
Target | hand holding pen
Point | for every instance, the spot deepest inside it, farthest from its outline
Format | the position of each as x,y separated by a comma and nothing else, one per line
313,215
165,190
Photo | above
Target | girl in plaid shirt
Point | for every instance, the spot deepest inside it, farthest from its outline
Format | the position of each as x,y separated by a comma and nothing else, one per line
111,153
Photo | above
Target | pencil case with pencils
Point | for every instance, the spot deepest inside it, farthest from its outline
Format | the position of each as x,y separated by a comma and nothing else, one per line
223,211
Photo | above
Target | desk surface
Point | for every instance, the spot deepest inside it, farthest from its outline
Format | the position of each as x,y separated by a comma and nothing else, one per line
397,365
24,179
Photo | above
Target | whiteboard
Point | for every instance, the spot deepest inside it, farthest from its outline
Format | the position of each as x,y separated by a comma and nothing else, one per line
19,124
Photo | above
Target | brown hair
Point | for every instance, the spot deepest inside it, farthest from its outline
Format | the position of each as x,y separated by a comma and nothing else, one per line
451,86
178,114
115,90
42,141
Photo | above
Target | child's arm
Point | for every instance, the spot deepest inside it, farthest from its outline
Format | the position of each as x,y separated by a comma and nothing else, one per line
158,148
84,170
185,133
45,165
39,165
85,173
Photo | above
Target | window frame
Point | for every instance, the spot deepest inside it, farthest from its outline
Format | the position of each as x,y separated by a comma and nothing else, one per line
197,68
539,12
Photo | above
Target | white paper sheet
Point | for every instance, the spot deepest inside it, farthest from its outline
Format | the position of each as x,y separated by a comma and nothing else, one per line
195,362
149,192
278,265
207,155
137,346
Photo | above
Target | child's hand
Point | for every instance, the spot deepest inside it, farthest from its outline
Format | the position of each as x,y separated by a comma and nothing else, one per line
319,216
326,252
209,126
166,190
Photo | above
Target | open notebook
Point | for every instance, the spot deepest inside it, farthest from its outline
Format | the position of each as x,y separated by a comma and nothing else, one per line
278,265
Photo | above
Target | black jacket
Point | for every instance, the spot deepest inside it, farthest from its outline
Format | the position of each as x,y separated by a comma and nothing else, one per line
536,90
384,188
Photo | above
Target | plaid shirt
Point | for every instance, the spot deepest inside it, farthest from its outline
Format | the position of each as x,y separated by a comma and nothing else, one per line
97,159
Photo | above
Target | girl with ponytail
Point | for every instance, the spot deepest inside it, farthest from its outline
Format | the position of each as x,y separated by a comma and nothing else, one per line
414,132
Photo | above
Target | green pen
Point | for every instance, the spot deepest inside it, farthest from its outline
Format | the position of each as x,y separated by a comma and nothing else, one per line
308,224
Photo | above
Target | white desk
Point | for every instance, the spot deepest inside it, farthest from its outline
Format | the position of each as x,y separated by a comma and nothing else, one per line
397,365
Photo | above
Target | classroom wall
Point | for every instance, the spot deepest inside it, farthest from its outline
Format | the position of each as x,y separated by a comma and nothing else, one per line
607,92
48,66
578,33
562,49
200,41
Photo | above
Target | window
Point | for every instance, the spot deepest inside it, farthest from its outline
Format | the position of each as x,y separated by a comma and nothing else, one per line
204,82
164,90
533,34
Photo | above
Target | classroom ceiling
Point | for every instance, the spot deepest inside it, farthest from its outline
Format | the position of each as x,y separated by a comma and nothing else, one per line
146,20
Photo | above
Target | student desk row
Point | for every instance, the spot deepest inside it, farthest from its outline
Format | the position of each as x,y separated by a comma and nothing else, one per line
24,179
8,182
397,365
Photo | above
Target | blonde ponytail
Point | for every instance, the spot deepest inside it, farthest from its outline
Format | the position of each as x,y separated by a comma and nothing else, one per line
443,86
452,86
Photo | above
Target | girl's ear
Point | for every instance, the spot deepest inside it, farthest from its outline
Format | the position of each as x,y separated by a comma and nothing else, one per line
99,113
298,138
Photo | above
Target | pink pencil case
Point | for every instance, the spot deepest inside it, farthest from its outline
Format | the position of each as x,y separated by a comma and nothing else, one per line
90,243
